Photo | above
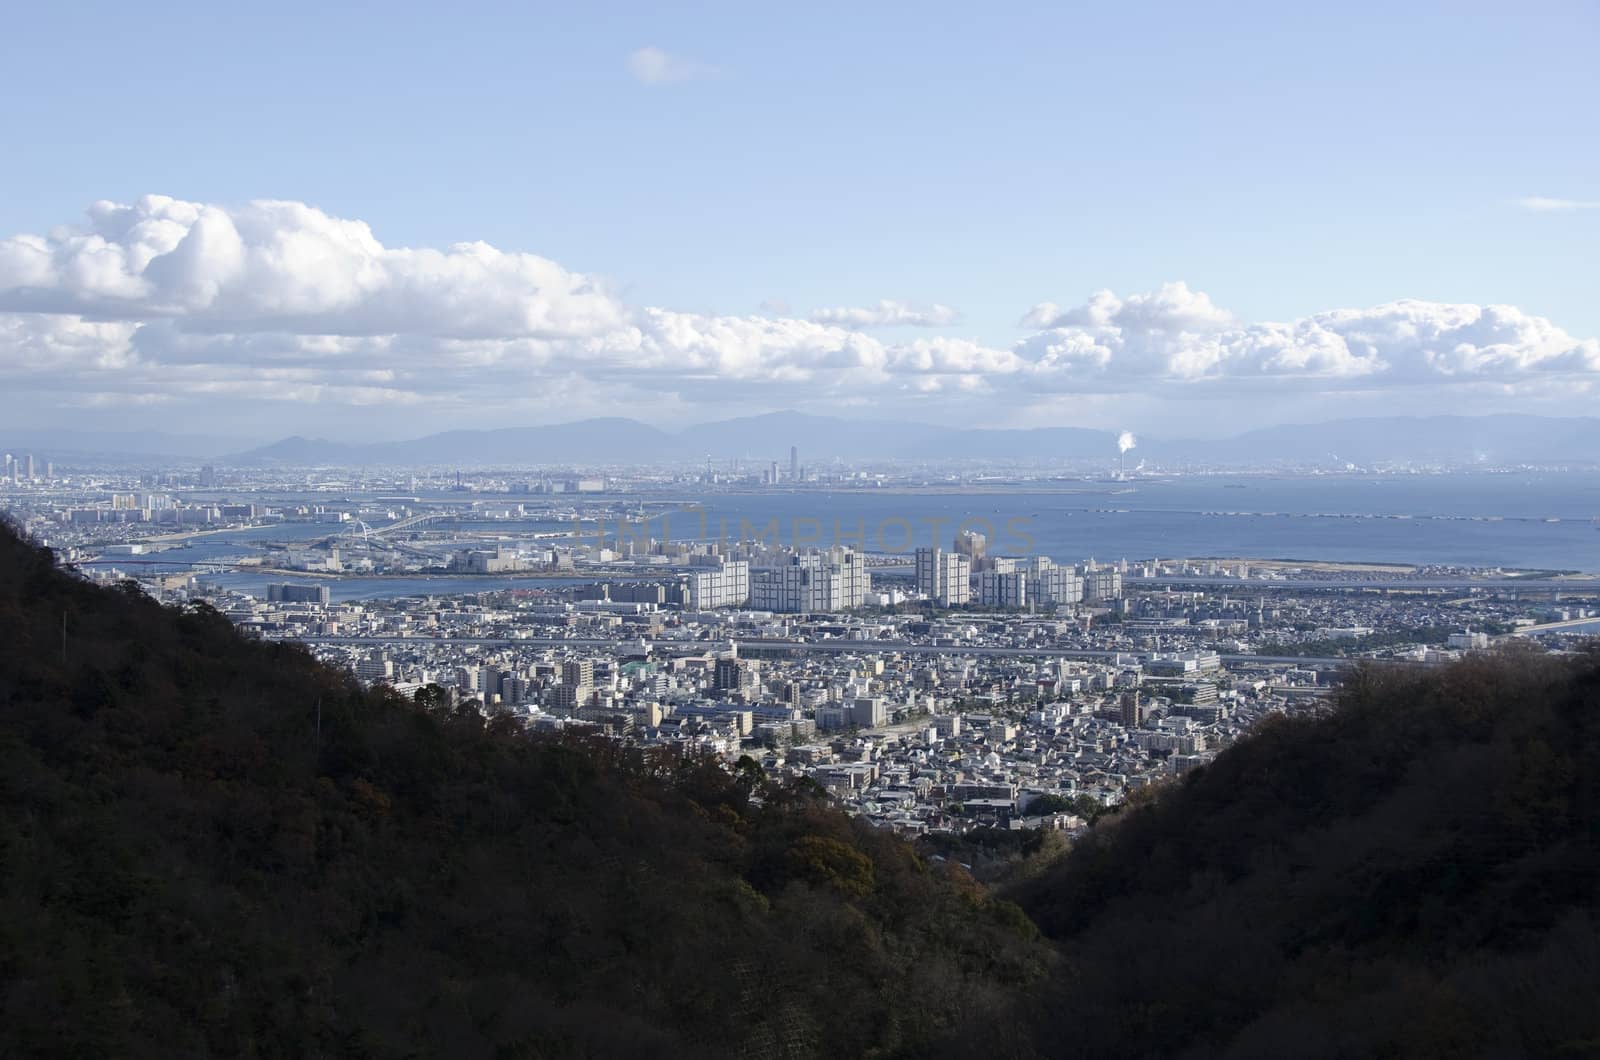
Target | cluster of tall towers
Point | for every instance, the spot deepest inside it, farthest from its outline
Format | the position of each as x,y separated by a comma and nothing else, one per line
20,469
774,475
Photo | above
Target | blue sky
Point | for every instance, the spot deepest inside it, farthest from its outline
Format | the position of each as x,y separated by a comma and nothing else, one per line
1286,160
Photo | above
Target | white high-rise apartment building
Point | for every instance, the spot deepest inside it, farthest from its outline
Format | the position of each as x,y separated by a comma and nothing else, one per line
1050,585
835,580
726,585
944,577
1101,583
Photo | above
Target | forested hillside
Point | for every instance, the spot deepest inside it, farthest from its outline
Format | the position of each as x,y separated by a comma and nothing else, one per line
192,864
188,868
1416,875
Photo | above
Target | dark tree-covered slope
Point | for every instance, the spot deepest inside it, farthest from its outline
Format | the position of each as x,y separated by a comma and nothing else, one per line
1417,874
189,868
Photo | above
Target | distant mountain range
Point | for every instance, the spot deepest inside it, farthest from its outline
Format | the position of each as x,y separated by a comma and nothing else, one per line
758,440
748,439
1456,440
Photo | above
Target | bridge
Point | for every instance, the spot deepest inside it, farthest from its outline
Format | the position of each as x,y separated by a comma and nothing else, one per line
410,521
201,565
356,531
1573,624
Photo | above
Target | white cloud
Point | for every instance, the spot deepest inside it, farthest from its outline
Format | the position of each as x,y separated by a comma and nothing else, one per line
689,349
172,302
288,265
653,66
1173,307
888,313
1540,204
1176,335
33,344
949,356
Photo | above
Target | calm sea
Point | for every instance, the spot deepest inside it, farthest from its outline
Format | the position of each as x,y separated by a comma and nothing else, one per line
1546,521
1540,520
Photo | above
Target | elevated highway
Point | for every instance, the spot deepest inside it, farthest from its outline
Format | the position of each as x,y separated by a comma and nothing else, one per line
1576,625
410,521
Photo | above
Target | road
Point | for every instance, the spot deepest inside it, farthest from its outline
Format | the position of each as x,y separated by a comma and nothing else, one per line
1575,585
1583,584
253,567
802,647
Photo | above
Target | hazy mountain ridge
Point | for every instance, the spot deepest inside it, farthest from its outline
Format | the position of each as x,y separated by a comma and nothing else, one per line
755,441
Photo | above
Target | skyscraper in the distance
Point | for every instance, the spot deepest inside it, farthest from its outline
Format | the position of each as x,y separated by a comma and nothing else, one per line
794,463
974,546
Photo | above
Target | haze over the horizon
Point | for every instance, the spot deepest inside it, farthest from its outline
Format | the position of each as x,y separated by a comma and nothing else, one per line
1192,223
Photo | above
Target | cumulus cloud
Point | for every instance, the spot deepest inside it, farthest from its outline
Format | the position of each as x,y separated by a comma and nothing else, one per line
40,344
165,301
1174,306
288,265
1541,204
686,349
1177,335
888,313
653,66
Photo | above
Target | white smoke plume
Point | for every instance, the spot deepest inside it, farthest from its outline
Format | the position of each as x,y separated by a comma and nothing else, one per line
1126,441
